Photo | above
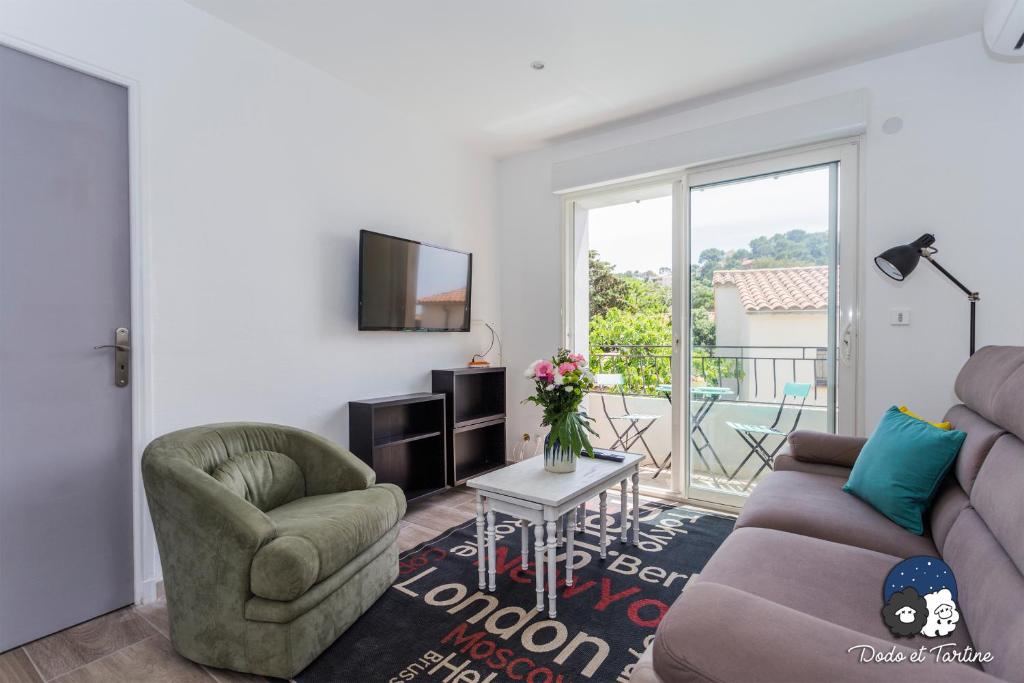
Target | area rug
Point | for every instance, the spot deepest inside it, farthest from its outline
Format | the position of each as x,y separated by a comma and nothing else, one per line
434,624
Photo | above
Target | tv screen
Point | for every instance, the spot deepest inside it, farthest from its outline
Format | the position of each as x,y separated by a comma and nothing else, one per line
407,285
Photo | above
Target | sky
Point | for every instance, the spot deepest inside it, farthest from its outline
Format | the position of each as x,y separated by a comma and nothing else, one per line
638,235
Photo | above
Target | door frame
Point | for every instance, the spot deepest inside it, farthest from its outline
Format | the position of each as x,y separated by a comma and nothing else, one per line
847,152
145,560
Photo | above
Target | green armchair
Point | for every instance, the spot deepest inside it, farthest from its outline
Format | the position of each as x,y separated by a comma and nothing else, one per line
273,541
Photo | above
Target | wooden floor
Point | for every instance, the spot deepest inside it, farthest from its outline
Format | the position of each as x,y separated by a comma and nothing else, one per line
132,644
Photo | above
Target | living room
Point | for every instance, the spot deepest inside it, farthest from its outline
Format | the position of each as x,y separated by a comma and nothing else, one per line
340,340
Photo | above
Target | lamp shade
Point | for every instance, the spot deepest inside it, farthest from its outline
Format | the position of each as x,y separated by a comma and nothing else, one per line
899,262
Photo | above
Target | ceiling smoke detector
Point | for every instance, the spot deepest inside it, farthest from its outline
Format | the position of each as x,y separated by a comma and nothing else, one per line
537,66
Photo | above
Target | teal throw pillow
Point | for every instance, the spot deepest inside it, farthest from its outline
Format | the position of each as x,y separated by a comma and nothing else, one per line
901,466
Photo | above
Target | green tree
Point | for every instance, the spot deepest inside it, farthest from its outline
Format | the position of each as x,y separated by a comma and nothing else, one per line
607,290
631,313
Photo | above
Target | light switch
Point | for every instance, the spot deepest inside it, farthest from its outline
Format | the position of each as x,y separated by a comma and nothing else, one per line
899,316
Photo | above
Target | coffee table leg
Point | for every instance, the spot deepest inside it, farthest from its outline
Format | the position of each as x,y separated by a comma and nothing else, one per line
623,511
636,507
525,550
604,524
552,567
538,563
490,550
582,517
570,537
480,561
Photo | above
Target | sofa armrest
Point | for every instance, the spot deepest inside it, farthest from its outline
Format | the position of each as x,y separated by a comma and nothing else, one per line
718,633
825,448
326,466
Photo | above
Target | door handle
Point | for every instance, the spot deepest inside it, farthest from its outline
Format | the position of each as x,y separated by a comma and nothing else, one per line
122,361
846,344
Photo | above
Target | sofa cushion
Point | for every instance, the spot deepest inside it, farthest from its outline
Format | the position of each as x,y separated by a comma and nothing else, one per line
264,478
997,496
991,592
717,633
815,505
339,526
950,501
980,379
831,581
981,436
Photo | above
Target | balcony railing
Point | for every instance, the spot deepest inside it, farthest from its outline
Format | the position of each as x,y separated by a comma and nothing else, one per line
755,373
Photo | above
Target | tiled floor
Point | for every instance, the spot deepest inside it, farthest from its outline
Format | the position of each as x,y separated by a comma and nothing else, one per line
132,645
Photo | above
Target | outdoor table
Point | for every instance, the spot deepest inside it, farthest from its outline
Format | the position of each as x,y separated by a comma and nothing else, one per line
708,396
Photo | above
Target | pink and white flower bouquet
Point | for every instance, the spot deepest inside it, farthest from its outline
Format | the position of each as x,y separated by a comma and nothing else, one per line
561,383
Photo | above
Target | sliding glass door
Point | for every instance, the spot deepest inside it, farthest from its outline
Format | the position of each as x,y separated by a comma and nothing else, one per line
621,301
717,307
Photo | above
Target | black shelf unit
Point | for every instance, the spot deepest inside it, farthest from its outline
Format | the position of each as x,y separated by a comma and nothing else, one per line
403,439
475,415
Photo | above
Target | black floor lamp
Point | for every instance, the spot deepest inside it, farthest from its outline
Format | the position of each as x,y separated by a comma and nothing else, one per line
899,262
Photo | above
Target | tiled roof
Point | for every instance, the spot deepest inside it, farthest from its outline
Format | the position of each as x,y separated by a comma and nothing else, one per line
456,296
778,289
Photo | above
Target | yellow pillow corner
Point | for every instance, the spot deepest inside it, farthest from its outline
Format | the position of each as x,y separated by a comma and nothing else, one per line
941,425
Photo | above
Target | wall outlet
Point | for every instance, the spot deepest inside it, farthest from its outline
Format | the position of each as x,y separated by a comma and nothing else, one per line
899,316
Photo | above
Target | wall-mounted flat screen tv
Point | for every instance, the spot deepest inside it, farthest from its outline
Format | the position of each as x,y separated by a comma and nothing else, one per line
408,285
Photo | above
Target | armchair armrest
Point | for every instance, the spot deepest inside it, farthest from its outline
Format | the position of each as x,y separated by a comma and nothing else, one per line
327,467
197,502
825,448
718,633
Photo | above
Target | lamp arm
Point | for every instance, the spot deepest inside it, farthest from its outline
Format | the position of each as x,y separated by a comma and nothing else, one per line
972,296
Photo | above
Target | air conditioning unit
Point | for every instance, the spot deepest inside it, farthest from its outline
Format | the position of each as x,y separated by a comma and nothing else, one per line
1004,27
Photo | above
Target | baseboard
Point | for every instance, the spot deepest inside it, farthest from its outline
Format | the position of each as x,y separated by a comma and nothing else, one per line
149,590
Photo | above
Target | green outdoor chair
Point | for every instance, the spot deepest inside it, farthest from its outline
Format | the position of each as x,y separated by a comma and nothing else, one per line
273,541
755,435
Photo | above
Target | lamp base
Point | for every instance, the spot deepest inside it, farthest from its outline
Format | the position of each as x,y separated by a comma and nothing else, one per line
479,363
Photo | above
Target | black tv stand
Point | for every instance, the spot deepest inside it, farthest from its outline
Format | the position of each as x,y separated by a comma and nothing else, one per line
475,418
403,439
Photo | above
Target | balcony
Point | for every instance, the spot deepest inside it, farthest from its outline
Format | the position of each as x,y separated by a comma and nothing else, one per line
753,379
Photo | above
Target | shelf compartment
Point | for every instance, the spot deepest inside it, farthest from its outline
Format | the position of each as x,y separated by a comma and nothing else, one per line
396,422
477,450
403,439
416,467
478,396
400,439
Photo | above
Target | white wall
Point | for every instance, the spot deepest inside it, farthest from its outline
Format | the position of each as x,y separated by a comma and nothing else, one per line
797,332
257,173
954,169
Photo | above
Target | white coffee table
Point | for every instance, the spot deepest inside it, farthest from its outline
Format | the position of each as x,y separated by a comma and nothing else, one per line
540,499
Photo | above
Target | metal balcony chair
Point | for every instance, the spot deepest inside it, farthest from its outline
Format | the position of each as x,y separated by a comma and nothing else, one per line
755,435
636,424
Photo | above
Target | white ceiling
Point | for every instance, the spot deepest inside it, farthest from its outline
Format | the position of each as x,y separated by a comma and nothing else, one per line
465,64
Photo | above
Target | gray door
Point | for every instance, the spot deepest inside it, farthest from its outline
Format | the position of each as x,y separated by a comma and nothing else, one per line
65,427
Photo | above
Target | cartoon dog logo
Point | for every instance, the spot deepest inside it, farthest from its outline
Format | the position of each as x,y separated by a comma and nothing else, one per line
920,598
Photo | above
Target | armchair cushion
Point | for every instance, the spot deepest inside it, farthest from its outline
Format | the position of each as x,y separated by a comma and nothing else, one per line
329,532
264,478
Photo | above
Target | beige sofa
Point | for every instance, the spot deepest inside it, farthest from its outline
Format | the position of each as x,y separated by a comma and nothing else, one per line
799,582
